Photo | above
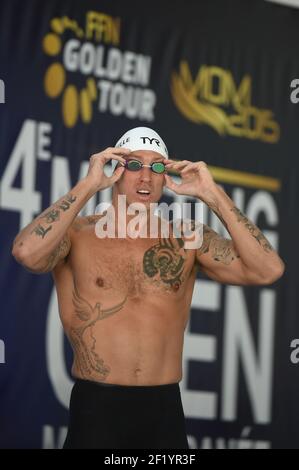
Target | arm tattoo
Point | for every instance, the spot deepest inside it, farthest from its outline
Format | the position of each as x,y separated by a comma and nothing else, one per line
53,215
65,204
208,235
166,259
89,220
59,253
40,231
215,208
92,219
221,249
86,357
253,229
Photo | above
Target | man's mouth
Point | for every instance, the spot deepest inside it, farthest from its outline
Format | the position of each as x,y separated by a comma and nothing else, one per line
143,191
144,194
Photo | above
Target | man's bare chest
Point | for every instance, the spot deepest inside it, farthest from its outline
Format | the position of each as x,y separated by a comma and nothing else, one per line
132,266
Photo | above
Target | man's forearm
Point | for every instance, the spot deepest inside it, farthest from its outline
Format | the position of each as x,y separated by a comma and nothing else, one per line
39,241
254,249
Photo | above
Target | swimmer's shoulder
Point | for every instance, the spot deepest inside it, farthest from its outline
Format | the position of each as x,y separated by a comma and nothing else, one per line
84,224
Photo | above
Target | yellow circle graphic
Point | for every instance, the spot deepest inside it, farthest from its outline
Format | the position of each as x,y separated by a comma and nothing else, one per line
86,110
91,87
57,26
70,106
51,44
54,80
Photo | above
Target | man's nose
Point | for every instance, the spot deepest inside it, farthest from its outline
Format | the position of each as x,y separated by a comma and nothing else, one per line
145,174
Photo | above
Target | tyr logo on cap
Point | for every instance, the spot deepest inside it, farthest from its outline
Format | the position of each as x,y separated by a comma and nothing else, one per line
156,141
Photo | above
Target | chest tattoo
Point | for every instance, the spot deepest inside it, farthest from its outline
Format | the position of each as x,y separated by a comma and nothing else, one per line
166,259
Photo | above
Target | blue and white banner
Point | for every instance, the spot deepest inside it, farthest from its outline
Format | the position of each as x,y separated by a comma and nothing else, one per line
214,79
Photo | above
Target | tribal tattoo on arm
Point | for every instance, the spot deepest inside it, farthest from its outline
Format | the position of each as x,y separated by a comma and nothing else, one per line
253,229
221,249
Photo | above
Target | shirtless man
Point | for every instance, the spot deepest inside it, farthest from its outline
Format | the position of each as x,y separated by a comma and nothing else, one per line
124,302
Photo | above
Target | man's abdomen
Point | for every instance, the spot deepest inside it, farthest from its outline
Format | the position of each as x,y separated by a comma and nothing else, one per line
133,348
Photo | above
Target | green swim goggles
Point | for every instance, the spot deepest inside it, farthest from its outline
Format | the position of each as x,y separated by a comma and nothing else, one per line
136,165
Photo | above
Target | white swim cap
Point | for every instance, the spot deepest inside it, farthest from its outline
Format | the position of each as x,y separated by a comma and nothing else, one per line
142,138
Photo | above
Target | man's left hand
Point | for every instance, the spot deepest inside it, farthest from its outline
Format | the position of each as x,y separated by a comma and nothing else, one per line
197,180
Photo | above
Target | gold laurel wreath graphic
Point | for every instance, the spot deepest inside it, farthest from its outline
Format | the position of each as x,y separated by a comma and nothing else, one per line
184,92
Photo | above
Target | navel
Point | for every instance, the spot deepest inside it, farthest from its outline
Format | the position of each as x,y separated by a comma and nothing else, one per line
100,282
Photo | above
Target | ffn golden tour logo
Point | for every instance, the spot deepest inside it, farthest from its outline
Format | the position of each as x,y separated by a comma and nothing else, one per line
214,99
90,73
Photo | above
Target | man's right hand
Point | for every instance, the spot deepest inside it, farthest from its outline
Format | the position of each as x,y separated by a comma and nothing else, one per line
96,175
